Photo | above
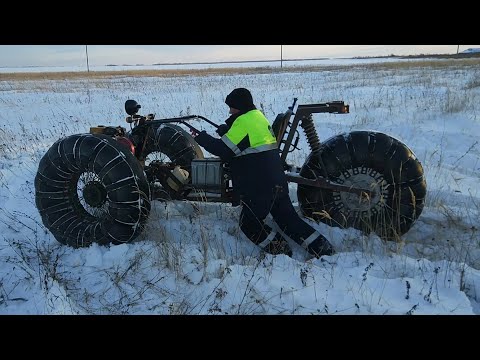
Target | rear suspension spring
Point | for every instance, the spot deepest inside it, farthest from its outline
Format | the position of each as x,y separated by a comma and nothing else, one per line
311,133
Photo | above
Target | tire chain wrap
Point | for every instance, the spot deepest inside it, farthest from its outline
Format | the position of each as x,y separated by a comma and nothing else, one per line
112,206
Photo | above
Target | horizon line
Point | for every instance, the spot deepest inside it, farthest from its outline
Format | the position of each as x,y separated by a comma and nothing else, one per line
214,62
258,61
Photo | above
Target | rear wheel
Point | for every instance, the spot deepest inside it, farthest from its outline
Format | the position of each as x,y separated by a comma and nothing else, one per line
167,147
91,189
369,160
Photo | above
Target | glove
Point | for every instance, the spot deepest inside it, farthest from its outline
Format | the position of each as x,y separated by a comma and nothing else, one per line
201,136
222,129
320,247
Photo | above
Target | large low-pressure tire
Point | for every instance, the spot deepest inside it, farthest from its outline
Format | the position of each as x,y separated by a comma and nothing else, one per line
168,144
91,189
371,160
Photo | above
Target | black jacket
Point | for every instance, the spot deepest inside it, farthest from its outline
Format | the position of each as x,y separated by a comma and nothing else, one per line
253,175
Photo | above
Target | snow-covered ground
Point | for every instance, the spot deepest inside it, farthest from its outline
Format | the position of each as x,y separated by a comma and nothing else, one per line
192,257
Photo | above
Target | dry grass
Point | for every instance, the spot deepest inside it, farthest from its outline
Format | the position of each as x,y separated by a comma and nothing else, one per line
135,73
400,65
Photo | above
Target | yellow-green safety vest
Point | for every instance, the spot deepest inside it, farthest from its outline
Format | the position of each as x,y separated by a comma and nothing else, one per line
254,125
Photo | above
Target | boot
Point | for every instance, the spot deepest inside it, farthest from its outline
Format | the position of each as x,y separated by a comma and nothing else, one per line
278,246
319,246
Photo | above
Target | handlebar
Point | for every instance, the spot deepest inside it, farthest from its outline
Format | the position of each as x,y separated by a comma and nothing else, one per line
181,119
204,118
190,127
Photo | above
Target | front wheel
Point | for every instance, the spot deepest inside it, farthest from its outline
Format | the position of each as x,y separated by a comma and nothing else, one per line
91,189
166,147
371,160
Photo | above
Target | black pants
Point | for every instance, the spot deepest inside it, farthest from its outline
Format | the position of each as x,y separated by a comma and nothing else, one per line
256,208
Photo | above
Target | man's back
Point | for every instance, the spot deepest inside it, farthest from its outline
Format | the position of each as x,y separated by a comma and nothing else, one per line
258,172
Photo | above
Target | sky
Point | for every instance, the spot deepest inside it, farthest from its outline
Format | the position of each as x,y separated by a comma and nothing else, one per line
98,55
193,259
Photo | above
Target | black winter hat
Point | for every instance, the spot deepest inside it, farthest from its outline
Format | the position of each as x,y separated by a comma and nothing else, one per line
240,99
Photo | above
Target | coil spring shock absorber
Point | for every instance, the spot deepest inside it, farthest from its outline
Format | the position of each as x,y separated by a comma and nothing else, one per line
313,140
311,133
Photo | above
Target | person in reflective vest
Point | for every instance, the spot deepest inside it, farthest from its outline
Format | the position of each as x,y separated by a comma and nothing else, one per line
249,145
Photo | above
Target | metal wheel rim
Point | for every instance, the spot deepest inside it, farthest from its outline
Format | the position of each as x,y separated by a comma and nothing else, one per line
365,178
84,179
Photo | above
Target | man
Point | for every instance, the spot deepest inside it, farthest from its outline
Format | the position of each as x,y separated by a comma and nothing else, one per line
248,144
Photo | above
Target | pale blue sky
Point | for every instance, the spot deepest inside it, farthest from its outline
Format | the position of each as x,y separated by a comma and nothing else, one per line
75,55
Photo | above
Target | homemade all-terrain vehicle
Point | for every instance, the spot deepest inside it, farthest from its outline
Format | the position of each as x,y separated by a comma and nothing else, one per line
97,187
